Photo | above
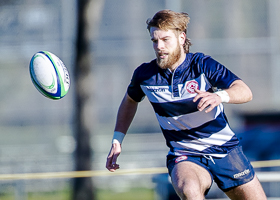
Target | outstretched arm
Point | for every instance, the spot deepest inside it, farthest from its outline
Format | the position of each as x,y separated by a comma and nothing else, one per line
238,92
125,116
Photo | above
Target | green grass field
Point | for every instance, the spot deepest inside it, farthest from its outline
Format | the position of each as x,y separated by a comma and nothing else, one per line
133,194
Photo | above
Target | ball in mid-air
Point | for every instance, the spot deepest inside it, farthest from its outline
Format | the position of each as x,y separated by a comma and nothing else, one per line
49,75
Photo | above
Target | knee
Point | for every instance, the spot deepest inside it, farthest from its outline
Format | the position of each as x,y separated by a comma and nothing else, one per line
187,192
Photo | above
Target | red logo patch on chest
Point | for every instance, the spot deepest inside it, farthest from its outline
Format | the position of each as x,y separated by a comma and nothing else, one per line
191,85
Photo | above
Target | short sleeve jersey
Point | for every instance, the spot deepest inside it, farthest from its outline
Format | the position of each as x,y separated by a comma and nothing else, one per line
187,130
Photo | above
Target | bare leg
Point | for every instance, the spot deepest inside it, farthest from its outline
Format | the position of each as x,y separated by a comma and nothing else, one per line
249,191
190,180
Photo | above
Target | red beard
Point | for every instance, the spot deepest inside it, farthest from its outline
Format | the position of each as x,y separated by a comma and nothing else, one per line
173,57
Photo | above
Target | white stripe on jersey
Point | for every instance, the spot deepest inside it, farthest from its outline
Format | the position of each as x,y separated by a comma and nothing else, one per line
218,138
158,94
185,152
163,94
188,121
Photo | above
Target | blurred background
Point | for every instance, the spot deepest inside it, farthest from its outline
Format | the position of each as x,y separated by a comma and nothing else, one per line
38,134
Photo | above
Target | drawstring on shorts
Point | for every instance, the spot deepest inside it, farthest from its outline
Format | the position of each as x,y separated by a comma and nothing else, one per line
209,158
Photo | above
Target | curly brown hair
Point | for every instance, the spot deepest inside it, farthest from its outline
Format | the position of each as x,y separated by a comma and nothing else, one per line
170,20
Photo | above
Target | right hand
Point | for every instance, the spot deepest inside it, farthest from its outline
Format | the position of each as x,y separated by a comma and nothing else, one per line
111,163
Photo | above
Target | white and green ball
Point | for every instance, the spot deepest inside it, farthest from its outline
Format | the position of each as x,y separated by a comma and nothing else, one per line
49,75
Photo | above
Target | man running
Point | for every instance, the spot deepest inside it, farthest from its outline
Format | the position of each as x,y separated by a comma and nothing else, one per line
186,91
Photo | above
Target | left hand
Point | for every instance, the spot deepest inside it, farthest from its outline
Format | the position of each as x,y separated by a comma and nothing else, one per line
207,100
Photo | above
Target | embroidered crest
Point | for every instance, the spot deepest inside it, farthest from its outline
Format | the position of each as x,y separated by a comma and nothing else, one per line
191,85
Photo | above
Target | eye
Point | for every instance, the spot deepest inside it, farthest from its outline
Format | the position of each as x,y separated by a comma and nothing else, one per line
154,41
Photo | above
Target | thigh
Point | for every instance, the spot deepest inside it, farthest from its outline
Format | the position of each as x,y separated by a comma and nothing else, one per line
248,191
190,180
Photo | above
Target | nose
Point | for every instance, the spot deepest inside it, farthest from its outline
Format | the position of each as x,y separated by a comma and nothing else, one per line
159,45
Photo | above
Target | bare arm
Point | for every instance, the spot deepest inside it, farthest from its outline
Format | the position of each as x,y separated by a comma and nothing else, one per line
238,93
125,116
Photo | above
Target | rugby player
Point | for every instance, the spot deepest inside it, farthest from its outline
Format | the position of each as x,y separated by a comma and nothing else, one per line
187,91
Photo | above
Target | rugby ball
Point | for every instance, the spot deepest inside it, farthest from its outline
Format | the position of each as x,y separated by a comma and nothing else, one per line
49,75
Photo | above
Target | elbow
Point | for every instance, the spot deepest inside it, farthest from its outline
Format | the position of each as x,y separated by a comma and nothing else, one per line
250,95
251,98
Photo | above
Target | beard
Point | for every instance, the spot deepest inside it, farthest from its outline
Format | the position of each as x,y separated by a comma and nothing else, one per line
170,60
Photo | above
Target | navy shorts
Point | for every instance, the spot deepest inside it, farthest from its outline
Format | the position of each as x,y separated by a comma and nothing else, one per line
228,172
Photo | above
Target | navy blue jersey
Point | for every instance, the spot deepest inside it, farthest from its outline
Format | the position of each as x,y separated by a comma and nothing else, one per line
187,130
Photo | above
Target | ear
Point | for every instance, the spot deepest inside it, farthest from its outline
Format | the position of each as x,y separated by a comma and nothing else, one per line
182,38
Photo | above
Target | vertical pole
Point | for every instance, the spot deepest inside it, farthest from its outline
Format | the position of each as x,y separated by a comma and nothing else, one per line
83,187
